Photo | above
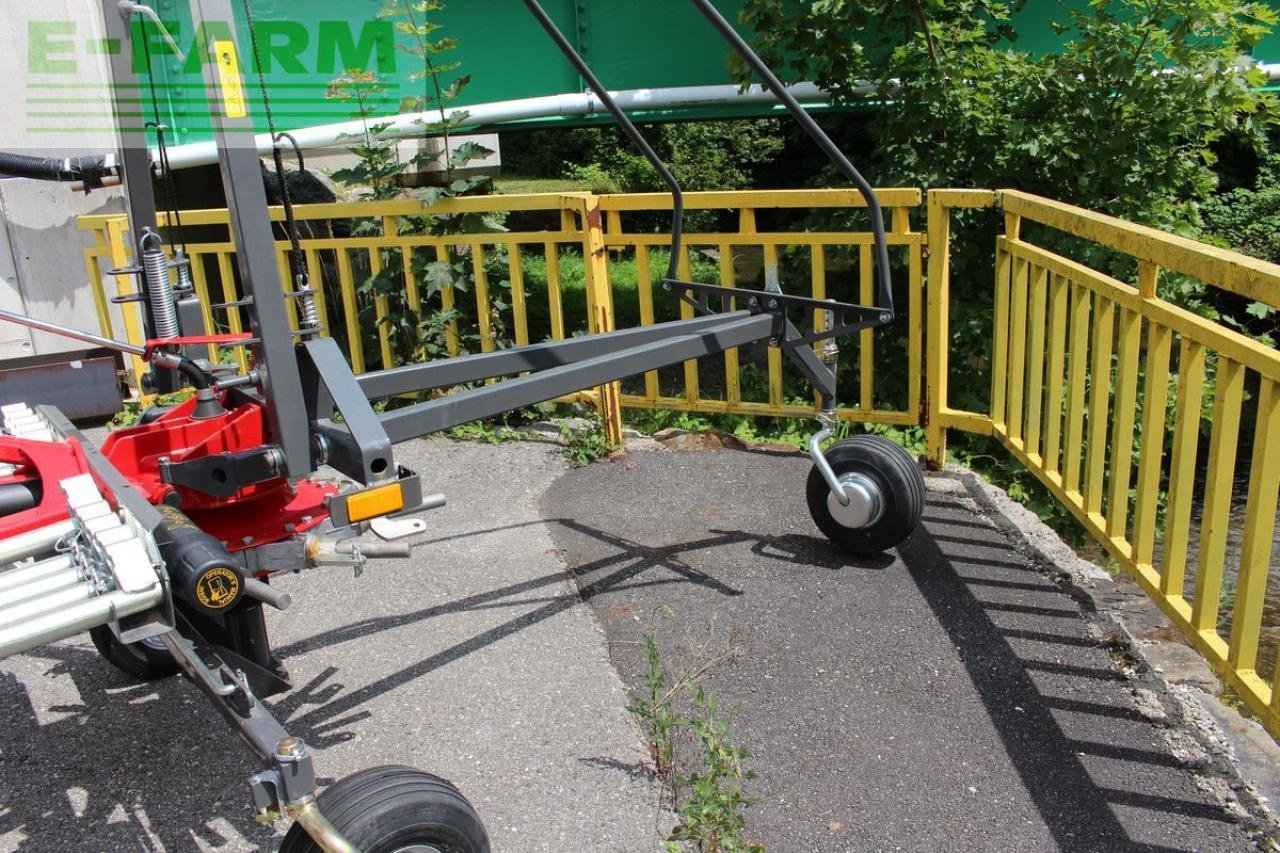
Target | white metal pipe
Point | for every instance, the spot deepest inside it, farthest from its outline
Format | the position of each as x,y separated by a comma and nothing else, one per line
484,115
75,619
39,588
549,106
51,603
38,571
34,541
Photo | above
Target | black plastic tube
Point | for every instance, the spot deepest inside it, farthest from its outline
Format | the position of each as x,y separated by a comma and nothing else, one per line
628,127
833,152
49,169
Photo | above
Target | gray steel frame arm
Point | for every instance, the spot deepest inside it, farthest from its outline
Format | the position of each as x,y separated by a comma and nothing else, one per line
535,357
730,330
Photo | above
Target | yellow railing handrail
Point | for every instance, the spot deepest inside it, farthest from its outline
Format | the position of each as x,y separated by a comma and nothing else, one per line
763,199
1222,268
368,209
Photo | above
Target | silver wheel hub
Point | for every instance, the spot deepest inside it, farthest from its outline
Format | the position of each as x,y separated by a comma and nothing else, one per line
866,503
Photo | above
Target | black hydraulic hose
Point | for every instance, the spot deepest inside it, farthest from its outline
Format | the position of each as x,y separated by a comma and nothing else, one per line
628,127
36,168
200,379
833,152
88,169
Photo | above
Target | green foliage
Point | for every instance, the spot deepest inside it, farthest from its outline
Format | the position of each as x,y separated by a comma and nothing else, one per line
703,156
489,433
417,331
133,409
712,816
1247,219
585,444
657,715
1122,118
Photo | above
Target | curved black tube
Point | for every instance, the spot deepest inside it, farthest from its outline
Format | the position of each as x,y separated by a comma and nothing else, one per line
628,127
833,152
200,380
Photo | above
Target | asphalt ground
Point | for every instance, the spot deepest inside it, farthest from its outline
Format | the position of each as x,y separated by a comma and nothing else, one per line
947,696
944,697
474,660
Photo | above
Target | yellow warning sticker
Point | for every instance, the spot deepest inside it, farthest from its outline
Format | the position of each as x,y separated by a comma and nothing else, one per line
218,588
229,76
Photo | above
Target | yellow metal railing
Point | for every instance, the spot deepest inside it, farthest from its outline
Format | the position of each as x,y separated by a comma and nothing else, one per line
1082,362
835,264
1096,382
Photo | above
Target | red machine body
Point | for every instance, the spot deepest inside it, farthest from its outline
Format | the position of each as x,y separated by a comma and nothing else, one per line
44,462
259,514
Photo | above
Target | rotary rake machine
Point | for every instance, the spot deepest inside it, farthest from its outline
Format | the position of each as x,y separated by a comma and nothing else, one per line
162,542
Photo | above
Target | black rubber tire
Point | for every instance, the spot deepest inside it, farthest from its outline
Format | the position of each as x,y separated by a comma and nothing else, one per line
385,809
901,484
148,660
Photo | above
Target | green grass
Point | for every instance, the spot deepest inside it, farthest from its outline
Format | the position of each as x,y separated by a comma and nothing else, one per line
520,185
624,280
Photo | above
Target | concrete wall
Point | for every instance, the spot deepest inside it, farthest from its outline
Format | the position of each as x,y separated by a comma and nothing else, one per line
51,112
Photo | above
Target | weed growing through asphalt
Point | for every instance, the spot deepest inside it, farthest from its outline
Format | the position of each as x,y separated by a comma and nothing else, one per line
712,815
657,714
585,444
710,799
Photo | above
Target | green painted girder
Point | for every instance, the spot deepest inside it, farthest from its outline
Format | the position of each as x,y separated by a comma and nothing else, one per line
631,45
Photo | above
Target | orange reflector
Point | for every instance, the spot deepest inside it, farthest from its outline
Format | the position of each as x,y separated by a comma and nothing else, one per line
375,502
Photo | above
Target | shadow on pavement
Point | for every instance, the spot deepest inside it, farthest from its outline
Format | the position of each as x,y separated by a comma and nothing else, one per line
1084,755
1058,771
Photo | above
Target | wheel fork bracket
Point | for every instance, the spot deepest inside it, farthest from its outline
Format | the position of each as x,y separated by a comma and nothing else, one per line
287,785
826,422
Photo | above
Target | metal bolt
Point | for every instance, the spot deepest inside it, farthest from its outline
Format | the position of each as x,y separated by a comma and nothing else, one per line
247,540
290,747
306,519
290,527
885,318
773,342
773,304
753,302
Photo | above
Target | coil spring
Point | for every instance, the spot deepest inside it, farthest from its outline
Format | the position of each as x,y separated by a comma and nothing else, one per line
310,319
155,267
183,265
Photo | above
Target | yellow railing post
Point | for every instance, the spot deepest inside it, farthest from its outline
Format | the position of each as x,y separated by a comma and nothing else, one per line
938,336
600,305
935,414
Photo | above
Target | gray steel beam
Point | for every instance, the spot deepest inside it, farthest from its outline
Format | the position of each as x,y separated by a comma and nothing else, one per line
136,173
802,354
535,357
361,448
255,241
135,150
435,415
